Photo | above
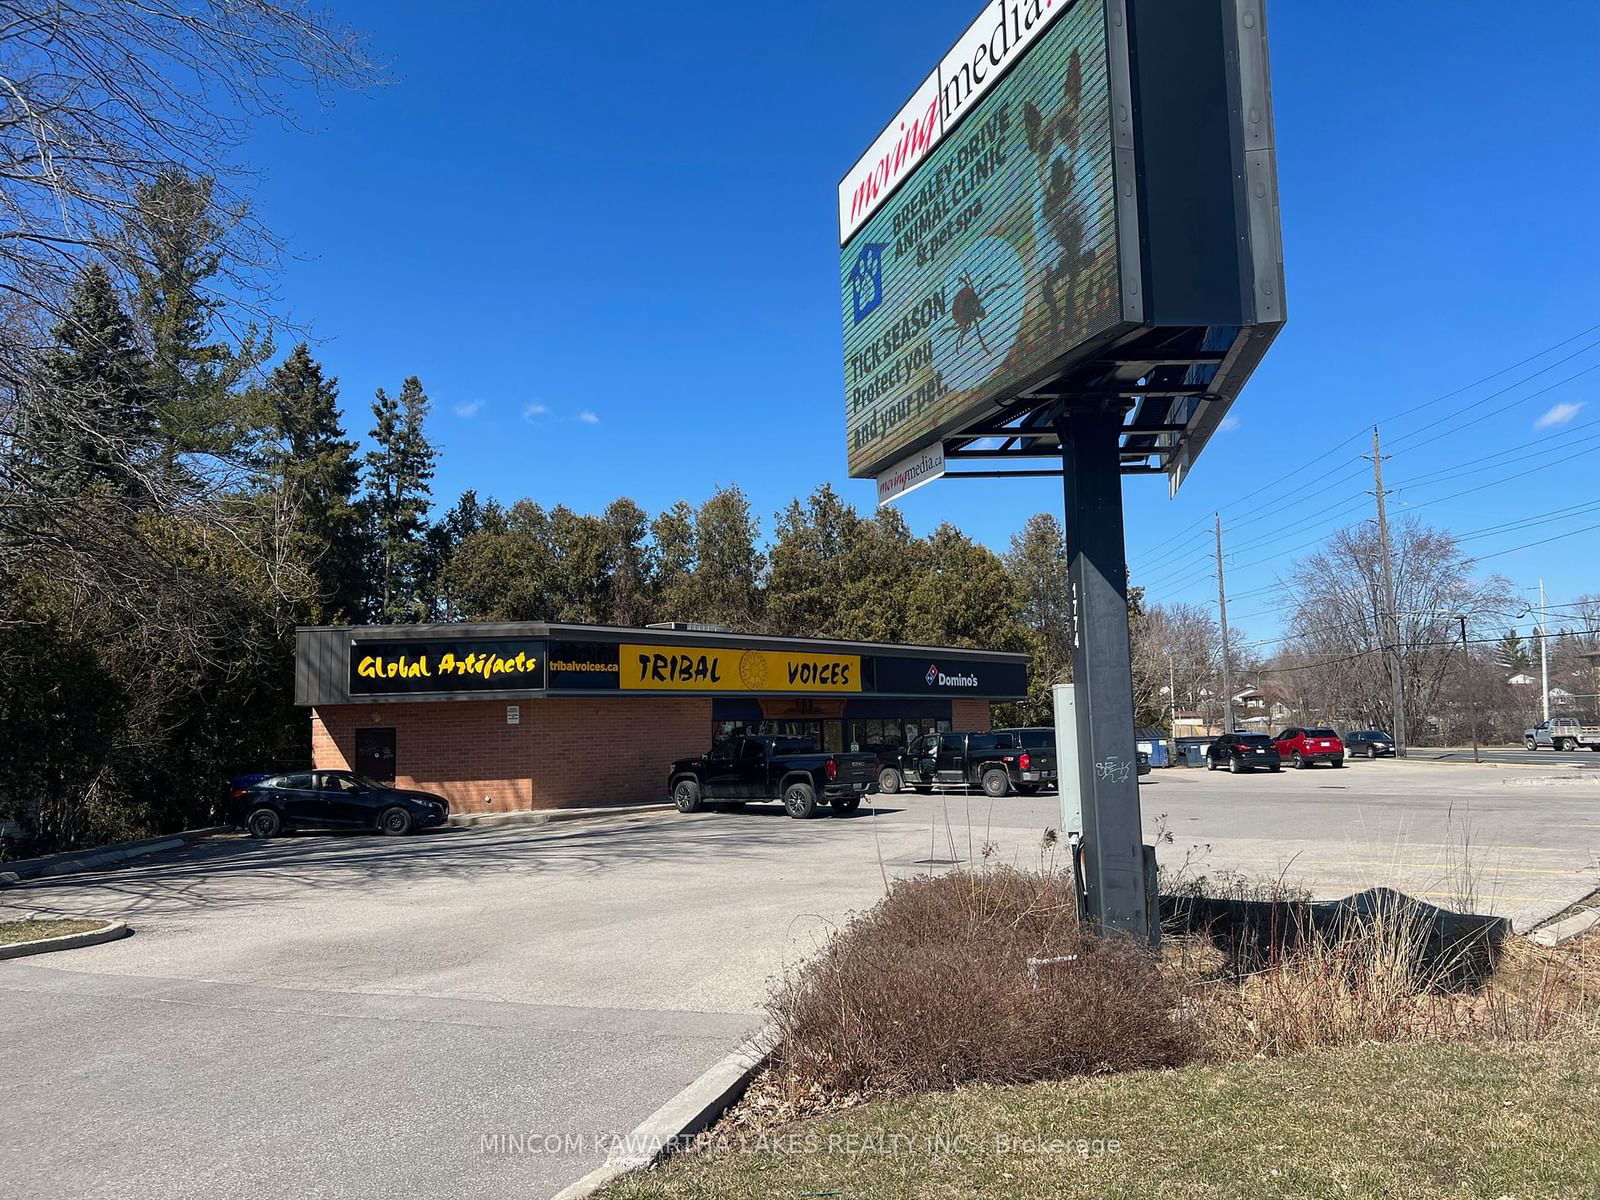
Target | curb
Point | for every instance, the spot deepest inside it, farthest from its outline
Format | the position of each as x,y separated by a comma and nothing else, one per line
70,941
695,1108
1566,930
548,816
100,856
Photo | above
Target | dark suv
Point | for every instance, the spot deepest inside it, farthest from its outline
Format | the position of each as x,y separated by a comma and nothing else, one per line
1368,743
1243,752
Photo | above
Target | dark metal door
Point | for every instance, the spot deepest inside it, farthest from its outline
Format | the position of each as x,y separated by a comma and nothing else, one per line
375,754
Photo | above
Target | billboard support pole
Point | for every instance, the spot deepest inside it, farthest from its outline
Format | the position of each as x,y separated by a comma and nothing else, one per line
1114,882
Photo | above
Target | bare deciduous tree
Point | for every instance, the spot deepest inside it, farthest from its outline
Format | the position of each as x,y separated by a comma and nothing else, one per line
1337,660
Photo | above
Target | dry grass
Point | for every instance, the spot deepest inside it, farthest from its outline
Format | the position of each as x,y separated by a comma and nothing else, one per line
13,933
1375,980
932,990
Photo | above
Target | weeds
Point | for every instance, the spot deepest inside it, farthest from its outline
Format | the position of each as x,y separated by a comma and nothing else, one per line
985,977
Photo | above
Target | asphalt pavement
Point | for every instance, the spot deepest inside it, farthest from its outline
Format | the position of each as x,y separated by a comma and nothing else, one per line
1517,755
352,1016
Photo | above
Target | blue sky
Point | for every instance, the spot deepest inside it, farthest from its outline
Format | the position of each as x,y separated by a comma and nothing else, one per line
605,238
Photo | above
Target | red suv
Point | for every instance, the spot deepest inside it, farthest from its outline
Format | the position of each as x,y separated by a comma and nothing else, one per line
1302,747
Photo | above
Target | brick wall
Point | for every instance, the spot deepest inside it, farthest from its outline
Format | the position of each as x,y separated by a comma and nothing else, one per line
970,715
566,753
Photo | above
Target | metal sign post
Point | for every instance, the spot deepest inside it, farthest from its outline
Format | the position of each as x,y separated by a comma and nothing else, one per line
1115,888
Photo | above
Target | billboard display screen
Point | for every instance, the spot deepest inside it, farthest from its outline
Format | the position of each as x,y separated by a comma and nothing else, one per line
997,254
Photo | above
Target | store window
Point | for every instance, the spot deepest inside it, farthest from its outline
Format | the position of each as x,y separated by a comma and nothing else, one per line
892,733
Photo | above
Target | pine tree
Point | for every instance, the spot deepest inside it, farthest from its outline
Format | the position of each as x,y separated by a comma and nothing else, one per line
173,250
89,419
314,467
1511,654
399,469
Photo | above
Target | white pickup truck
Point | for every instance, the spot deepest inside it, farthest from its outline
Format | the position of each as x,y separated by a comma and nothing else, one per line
1562,733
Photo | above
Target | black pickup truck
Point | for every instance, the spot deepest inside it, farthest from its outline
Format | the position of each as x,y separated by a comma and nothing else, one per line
1040,769
1000,762
793,770
996,762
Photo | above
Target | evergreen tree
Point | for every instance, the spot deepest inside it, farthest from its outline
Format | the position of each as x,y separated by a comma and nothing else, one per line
630,564
314,468
1511,654
174,251
445,536
963,596
89,419
399,468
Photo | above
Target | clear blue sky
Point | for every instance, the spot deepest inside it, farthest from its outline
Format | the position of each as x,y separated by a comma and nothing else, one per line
605,238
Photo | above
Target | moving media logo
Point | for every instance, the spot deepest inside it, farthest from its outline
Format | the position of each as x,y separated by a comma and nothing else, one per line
937,677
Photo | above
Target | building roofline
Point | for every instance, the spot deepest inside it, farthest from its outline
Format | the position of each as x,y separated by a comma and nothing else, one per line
576,632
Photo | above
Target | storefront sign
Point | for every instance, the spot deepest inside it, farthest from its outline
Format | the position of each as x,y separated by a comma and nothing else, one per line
708,669
584,666
944,676
409,668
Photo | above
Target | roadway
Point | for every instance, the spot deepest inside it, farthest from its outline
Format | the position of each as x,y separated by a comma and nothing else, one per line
349,1016
1509,754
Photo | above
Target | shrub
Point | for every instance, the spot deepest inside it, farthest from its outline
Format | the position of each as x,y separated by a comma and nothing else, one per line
932,989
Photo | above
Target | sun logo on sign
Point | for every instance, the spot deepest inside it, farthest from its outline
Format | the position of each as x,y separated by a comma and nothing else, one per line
753,670
933,675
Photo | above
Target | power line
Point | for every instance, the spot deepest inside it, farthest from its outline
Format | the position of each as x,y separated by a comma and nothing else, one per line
1198,525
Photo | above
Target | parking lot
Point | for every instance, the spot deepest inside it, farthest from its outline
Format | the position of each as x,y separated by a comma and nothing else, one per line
415,995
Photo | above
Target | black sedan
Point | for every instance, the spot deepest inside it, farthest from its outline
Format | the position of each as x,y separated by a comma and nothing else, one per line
332,800
1243,752
1368,743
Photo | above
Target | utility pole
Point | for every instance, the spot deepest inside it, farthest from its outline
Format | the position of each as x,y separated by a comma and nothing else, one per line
1396,660
1544,653
1472,692
1172,696
1222,619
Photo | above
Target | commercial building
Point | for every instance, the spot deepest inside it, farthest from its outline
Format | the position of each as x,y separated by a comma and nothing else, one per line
499,717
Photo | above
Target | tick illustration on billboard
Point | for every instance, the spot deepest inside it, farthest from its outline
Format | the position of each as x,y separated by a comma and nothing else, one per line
988,292
866,280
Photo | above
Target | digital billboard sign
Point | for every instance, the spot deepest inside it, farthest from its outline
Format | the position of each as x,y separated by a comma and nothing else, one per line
995,252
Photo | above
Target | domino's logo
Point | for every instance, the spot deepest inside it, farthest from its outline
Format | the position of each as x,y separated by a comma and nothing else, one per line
933,675
866,280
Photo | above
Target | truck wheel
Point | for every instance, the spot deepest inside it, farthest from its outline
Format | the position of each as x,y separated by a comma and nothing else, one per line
996,783
1530,743
844,804
686,795
1569,744
800,800
889,781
